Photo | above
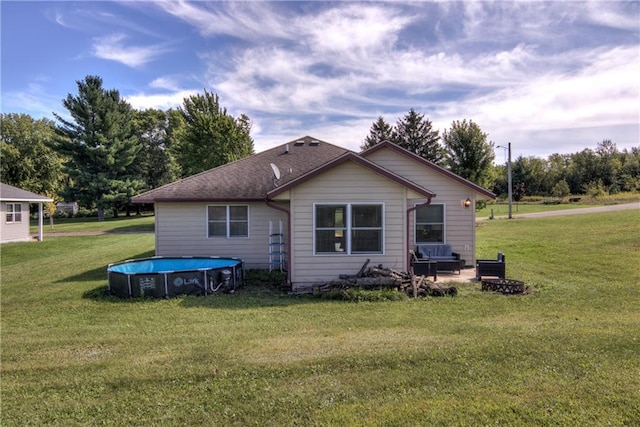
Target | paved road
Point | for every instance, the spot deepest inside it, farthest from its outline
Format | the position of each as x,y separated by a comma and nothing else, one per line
576,211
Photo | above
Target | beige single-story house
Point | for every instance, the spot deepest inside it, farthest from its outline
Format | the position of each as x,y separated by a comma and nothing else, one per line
14,208
317,210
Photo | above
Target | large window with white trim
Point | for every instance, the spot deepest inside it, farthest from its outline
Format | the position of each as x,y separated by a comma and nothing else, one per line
429,224
350,228
14,212
228,221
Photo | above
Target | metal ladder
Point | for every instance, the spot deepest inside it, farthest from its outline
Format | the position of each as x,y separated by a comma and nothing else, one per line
276,246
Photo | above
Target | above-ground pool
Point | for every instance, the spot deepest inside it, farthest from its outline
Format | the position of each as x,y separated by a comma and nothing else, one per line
171,276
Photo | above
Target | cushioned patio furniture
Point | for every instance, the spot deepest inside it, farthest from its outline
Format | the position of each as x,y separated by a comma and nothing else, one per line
446,259
491,267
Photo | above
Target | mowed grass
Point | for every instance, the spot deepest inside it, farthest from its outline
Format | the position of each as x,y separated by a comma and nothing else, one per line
110,225
567,354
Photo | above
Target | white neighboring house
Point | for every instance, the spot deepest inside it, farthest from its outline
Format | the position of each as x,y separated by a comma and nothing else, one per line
337,208
14,209
67,208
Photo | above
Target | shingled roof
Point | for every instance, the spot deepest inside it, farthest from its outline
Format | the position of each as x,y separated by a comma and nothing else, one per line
14,194
250,178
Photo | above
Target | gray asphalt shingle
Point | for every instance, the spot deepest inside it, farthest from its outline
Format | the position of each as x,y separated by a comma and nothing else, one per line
249,178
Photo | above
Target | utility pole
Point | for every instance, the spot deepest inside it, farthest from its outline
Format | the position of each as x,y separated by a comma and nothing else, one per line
509,183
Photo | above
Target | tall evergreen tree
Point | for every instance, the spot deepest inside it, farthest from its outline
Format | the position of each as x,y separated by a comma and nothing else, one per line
380,131
415,133
100,144
208,136
468,154
26,158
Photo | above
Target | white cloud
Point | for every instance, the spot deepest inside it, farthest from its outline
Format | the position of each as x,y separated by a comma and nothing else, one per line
352,30
33,100
162,101
619,15
604,93
113,48
244,20
165,82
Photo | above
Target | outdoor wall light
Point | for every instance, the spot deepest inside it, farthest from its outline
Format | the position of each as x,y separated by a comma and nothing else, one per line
466,203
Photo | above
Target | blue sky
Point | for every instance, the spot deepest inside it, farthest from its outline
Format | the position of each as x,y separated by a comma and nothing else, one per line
549,77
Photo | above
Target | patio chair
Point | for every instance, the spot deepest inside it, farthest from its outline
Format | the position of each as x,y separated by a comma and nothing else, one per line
491,267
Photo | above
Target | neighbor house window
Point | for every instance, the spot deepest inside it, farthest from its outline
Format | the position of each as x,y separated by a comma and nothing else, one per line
14,212
429,222
228,221
348,228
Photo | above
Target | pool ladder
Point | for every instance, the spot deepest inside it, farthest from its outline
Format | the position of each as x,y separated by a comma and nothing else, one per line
276,246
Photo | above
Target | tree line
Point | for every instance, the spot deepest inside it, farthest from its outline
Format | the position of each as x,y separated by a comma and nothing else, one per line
102,151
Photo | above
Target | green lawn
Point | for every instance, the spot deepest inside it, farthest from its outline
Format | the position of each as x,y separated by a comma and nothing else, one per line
568,354
72,225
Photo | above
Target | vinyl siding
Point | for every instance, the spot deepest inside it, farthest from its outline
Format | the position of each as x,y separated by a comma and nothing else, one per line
459,221
346,183
181,230
14,231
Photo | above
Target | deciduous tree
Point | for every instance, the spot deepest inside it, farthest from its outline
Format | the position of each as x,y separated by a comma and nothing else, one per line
155,164
26,159
468,154
209,136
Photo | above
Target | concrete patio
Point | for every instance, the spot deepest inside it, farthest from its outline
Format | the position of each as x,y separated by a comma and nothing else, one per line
467,275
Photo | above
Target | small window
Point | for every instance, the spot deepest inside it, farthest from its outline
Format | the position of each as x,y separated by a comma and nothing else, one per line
348,229
429,224
330,228
366,229
228,221
14,212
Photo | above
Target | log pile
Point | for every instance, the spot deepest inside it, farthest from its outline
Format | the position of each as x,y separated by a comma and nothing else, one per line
380,277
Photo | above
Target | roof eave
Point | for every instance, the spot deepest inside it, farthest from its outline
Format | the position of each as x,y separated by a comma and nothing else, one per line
17,199
197,199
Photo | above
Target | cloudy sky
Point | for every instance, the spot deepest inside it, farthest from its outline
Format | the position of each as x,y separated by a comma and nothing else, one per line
549,77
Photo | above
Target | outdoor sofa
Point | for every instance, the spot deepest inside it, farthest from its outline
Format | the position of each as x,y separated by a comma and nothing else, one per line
442,254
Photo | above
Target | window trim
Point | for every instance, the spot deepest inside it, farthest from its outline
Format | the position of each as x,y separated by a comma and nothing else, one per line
444,224
348,229
13,213
228,221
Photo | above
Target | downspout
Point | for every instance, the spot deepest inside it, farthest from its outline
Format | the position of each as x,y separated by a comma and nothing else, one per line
409,210
286,211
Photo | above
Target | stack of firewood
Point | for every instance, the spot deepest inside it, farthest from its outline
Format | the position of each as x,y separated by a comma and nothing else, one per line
380,277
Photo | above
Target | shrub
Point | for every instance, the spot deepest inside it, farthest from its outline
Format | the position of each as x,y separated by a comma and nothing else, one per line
362,295
276,278
85,213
